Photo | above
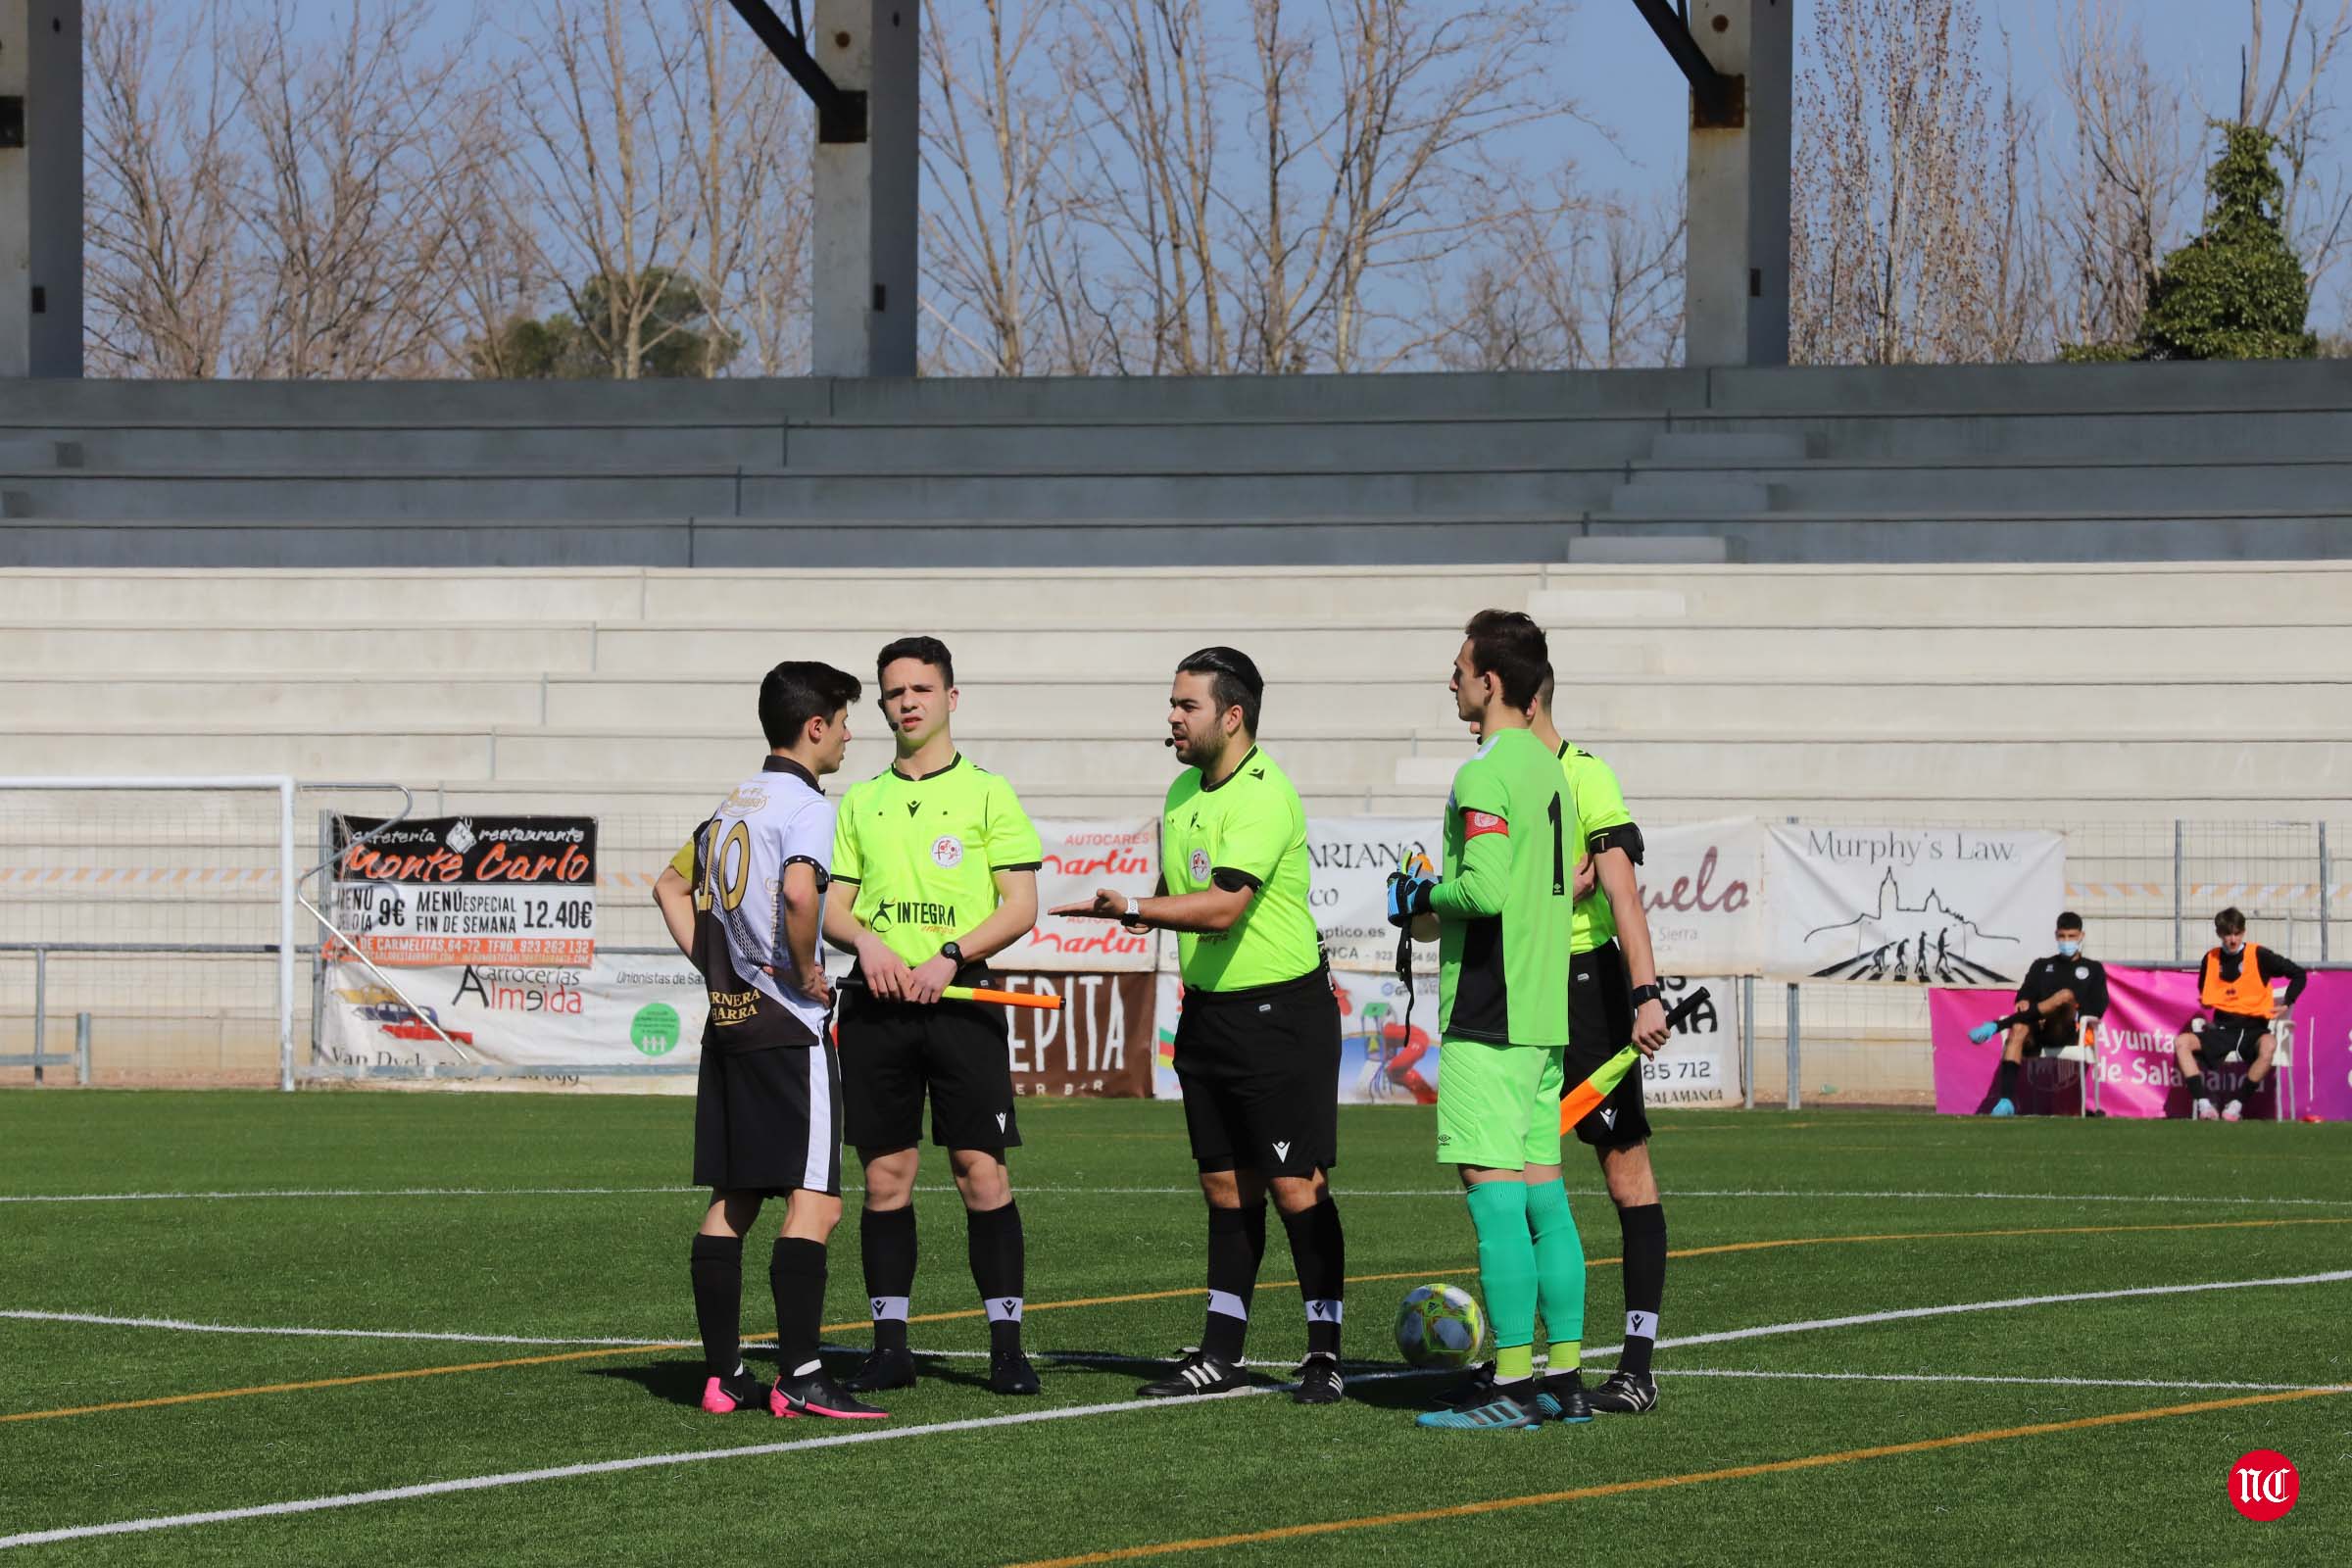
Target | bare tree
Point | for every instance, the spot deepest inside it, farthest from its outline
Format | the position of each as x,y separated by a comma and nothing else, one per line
1001,263
2290,101
1906,242
2118,195
1144,67
1584,285
164,272
742,136
353,137
616,195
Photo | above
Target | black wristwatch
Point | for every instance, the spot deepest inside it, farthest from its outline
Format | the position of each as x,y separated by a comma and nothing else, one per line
951,952
1651,992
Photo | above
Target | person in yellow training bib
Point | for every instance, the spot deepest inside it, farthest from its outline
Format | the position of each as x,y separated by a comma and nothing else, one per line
1257,1044
2233,986
934,873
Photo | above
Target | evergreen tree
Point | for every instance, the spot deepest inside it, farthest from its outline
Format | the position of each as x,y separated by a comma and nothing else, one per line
683,341
2237,290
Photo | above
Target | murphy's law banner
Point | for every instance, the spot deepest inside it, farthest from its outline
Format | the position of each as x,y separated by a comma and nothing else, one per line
442,890
1932,906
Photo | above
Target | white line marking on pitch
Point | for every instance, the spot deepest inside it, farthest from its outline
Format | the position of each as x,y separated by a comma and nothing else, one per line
516,1478
1668,1374
2256,1202
185,1327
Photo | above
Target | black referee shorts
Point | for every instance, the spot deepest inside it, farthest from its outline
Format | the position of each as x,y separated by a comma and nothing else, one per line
892,1051
1260,1073
768,1121
1600,1024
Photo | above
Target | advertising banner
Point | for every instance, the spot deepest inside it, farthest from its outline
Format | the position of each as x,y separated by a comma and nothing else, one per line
1702,885
444,889
2135,1073
1390,1059
1099,1044
617,1011
1930,905
1698,1067
1351,858
1079,858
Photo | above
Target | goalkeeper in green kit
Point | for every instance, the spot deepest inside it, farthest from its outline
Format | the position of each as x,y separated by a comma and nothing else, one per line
1504,912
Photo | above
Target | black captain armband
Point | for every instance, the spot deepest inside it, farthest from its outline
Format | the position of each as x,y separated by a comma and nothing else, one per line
1229,880
1626,836
824,878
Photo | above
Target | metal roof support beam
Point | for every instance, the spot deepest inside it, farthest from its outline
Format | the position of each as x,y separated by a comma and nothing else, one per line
1715,99
840,112
863,247
1736,237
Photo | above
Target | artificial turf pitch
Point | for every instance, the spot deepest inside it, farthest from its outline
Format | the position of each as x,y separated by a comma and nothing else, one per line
1773,1218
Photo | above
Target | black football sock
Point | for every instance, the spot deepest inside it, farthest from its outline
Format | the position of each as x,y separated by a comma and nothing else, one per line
1237,1241
1643,1232
2004,1082
717,1266
994,1242
1319,1250
796,1275
885,1248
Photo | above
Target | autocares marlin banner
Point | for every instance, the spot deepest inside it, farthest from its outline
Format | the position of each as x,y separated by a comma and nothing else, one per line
1924,905
1081,857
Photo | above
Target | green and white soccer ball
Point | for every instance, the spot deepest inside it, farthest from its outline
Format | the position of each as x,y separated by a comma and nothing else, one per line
1439,1326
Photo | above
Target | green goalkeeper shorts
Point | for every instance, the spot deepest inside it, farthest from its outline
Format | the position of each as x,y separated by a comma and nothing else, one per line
1498,1106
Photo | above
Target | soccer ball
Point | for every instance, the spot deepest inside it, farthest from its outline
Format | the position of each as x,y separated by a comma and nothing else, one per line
1439,1326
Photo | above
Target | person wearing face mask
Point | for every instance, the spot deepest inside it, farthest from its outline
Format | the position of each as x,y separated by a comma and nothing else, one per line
2057,995
2234,984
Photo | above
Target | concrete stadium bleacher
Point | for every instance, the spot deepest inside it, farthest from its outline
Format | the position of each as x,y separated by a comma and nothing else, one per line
2016,692
2101,598
1907,463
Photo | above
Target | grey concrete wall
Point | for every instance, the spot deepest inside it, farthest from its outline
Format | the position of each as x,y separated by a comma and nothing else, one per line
1901,464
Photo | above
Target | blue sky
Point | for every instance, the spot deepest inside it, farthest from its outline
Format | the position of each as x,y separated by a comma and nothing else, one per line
1622,79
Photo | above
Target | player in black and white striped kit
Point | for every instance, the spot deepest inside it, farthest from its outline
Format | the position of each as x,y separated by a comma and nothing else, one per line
744,900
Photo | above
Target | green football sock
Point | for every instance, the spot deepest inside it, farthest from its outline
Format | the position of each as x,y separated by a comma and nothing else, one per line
1506,1270
1559,1255
1565,1356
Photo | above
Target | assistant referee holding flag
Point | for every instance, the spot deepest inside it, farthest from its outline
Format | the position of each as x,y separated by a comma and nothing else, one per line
934,873
1257,1044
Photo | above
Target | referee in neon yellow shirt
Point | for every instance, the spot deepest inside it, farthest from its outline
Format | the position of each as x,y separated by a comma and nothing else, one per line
934,873
1257,1044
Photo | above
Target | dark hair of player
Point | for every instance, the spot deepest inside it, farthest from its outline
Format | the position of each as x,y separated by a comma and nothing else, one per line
1509,646
1544,689
1233,680
930,650
2229,922
2070,921
799,690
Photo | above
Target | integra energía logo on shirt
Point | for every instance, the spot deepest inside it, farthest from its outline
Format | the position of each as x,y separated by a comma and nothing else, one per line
911,912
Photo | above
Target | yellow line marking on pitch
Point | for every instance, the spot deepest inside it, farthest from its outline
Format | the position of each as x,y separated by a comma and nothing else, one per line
604,1352
1539,1499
